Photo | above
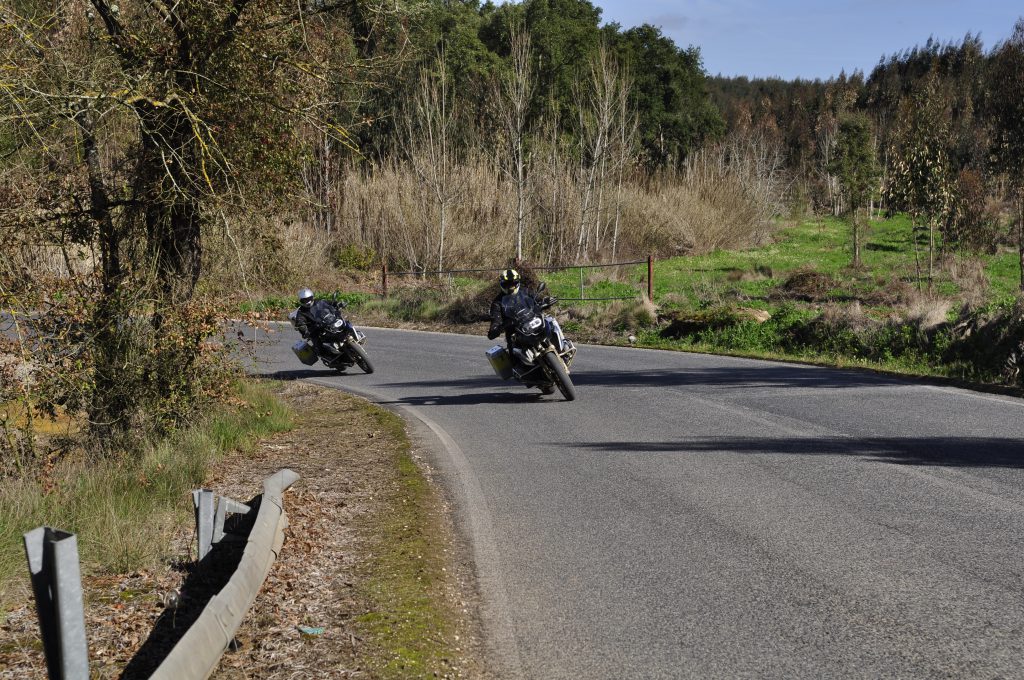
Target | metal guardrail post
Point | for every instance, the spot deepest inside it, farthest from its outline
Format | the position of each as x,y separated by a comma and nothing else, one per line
199,649
224,506
57,585
202,501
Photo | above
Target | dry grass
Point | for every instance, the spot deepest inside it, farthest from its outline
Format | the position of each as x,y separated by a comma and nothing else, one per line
925,312
968,274
721,200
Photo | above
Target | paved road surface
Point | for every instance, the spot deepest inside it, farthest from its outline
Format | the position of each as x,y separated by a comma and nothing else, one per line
699,516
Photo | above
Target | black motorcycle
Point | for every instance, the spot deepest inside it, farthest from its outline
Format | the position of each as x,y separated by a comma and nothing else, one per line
335,342
539,355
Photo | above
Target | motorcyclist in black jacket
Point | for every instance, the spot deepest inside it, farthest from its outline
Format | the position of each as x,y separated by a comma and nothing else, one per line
510,282
309,309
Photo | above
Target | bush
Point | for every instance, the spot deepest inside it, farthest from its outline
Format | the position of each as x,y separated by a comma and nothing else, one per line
353,256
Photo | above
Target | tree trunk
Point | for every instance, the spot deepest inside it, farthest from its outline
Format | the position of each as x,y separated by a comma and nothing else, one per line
917,254
110,400
440,250
172,210
931,252
856,240
520,199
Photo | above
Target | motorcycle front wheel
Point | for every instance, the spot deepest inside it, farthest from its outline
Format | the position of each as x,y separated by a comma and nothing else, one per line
561,376
360,357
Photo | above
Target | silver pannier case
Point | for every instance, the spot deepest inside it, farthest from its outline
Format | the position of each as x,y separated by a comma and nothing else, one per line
500,361
304,351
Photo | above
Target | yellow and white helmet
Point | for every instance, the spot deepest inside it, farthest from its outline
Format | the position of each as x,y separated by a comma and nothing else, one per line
509,281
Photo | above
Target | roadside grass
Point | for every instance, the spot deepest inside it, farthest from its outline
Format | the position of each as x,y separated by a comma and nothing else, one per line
408,623
124,510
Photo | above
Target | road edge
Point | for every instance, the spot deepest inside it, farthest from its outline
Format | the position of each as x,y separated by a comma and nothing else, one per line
474,521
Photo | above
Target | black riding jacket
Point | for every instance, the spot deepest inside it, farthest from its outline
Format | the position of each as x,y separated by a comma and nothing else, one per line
305,317
499,323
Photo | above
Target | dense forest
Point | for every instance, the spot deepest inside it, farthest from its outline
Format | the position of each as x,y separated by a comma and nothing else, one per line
159,155
944,123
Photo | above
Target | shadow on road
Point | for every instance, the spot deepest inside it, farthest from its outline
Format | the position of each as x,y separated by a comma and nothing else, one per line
737,377
305,373
471,395
995,452
469,399
723,376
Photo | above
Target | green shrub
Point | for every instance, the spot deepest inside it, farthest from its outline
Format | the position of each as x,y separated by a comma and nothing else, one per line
355,257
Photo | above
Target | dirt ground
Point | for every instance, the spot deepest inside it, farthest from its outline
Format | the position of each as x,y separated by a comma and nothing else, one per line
323,579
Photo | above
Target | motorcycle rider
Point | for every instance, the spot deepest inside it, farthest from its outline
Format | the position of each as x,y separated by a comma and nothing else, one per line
510,282
309,309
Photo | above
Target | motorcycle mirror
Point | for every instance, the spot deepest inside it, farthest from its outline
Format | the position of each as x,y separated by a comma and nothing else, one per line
542,287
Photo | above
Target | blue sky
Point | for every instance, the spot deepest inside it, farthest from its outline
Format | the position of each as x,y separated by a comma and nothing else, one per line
812,39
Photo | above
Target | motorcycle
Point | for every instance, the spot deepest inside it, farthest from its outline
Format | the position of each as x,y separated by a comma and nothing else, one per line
338,344
539,354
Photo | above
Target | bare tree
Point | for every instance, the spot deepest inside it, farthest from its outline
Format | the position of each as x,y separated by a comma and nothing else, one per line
431,143
598,107
623,152
514,94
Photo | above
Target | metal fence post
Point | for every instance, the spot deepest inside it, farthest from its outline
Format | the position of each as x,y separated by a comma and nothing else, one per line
202,501
57,585
581,283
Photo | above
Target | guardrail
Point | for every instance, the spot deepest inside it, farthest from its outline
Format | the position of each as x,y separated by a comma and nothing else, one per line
449,272
56,583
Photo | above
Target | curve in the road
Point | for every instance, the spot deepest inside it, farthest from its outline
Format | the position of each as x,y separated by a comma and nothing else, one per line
701,516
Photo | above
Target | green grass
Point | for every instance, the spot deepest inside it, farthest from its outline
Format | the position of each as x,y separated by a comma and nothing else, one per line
707,295
824,246
804,274
413,630
1003,272
124,510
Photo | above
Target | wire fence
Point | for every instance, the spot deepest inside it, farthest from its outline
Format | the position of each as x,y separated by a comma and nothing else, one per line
385,274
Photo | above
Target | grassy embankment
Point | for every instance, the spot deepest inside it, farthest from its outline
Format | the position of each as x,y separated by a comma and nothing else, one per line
822,310
125,510
796,298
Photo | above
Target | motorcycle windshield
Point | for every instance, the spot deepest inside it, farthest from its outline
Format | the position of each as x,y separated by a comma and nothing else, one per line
524,313
323,313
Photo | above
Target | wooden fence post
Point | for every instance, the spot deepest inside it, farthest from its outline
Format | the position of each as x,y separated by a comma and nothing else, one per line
650,278
384,279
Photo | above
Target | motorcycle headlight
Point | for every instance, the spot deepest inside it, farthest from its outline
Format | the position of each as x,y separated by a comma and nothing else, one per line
338,323
535,323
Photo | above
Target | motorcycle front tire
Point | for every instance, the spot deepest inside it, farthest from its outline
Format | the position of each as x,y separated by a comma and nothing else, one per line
560,375
360,357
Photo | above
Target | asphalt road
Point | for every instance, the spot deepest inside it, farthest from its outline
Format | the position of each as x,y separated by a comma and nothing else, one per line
708,517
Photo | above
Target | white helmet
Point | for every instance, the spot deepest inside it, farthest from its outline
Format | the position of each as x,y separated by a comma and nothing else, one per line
306,297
